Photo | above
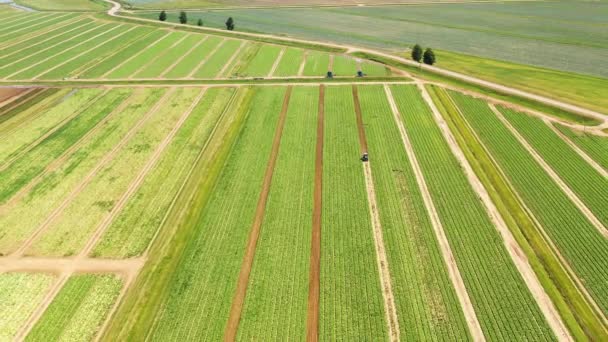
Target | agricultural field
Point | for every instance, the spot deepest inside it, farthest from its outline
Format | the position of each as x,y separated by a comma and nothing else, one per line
162,182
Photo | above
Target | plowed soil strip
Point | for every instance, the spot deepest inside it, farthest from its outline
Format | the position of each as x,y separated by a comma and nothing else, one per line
314,279
444,245
243,280
103,226
106,159
70,265
383,268
571,195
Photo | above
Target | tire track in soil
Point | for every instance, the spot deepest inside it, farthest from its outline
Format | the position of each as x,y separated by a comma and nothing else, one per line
243,280
442,240
52,166
135,184
552,174
390,309
314,279
106,159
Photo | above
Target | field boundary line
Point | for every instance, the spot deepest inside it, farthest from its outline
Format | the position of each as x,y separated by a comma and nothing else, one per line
275,65
66,154
127,282
243,280
204,61
40,33
189,174
12,19
314,278
390,309
136,183
114,37
578,150
42,306
303,63
54,45
52,130
442,240
517,255
552,174
157,57
231,59
66,50
106,159
104,76
172,66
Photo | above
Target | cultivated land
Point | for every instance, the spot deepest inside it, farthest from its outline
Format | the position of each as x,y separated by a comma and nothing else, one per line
160,182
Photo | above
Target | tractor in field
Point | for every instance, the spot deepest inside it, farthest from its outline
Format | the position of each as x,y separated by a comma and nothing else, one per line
365,157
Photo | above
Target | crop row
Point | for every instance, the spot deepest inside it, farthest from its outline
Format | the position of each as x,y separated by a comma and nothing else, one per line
578,241
20,294
424,296
351,305
593,145
205,280
588,184
131,231
276,301
503,304
78,310
78,220
31,164
47,117
30,211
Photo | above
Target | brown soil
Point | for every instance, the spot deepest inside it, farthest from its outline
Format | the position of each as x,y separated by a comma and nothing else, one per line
243,280
362,138
8,93
314,280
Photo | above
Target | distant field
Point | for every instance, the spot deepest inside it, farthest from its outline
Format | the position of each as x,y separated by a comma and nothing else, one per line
65,5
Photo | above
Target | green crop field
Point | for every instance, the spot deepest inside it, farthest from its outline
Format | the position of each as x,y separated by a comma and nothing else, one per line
168,182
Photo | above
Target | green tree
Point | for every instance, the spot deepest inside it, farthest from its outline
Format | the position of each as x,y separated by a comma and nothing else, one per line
199,22
183,18
230,24
162,16
417,53
429,57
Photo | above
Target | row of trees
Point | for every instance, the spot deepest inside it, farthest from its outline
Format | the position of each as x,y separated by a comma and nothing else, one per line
428,56
183,19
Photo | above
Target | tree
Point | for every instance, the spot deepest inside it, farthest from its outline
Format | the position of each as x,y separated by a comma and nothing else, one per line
230,24
429,57
162,16
417,53
199,22
183,18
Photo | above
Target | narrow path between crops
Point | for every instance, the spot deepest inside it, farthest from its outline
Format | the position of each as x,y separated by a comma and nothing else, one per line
275,65
314,279
444,245
571,195
106,159
243,280
518,256
390,308
135,184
